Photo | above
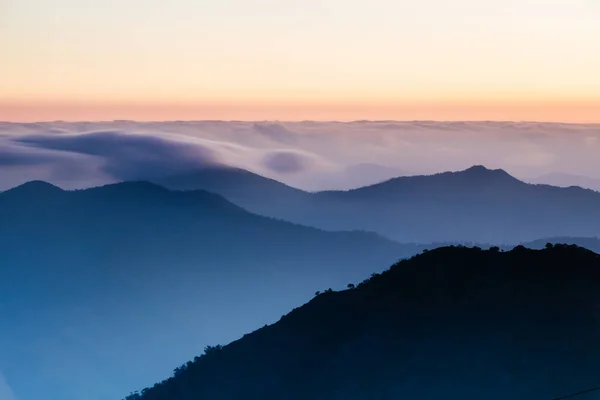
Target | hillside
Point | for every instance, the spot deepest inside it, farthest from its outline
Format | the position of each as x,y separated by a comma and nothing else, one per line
244,188
476,205
453,323
78,266
567,180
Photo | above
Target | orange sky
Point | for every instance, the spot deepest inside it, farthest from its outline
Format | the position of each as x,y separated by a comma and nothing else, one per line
311,59
493,111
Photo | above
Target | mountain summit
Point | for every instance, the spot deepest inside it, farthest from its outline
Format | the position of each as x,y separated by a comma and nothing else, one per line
474,205
481,172
34,187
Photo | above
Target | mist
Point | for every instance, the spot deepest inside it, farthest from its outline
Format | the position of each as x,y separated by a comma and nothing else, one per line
309,155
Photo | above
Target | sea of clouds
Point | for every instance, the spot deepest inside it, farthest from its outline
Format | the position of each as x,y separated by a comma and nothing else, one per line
309,155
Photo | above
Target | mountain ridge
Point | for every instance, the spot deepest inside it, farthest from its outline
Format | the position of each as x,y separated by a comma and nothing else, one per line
97,260
453,322
474,205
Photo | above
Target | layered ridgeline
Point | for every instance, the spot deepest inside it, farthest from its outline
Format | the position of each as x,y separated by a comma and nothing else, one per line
101,290
452,323
475,205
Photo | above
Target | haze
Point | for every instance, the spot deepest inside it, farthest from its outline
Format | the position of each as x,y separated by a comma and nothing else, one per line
308,155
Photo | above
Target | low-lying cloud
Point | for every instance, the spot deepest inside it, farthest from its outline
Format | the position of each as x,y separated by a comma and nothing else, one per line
309,155
287,162
277,133
18,156
130,156
6,393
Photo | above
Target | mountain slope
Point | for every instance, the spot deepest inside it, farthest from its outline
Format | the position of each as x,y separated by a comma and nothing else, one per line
567,180
451,323
84,273
474,205
254,192
478,205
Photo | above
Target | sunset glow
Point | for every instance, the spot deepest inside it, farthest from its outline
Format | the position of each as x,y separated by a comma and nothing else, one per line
329,59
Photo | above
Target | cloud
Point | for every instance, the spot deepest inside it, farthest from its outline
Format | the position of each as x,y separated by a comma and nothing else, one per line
277,133
6,393
287,162
18,156
309,155
130,156
591,141
19,163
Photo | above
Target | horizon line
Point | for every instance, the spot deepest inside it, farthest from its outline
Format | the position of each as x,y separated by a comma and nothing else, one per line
149,180
339,121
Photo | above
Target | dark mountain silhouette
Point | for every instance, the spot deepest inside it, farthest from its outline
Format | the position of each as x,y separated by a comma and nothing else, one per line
590,243
452,323
475,205
109,265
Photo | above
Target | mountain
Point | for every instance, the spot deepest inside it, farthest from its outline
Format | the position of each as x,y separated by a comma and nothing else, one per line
590,243
478,205
249,190
567,180
452,323
88,277
474,205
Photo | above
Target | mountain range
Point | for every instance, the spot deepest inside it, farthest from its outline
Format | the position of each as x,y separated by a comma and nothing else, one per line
452,323
474,205
78,266
208,256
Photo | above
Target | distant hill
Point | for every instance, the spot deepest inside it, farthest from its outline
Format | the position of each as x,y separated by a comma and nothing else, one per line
453,323
135,265
567,180
474,205
478,205
253,192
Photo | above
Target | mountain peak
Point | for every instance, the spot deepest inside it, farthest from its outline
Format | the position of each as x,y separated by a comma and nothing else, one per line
35,187
478,168
482,169
482,172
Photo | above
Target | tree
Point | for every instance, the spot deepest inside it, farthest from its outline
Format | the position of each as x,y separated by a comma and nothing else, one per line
209,350
351,286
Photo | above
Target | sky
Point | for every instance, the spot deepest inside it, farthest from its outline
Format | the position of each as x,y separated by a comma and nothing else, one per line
300,60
